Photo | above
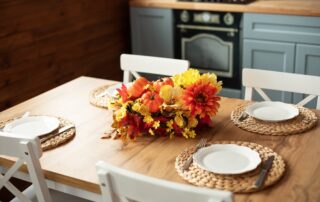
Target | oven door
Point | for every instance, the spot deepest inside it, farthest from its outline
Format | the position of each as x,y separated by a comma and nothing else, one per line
211,49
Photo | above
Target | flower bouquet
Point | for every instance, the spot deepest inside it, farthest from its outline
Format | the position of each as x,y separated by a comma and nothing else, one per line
171,106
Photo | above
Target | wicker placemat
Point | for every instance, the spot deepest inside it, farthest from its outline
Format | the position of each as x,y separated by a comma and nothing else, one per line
97,100
306,120
55,140
242,183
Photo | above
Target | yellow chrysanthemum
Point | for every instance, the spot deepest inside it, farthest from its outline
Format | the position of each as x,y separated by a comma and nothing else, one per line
209,77
156,124
212,79
169,125
185,133
121,113
171,95
189,133
148,119
192,134
186,78
136,106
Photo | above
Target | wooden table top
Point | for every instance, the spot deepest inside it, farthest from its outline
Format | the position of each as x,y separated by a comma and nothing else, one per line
74,162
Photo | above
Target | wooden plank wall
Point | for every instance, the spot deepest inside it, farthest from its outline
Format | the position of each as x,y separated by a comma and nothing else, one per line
46,43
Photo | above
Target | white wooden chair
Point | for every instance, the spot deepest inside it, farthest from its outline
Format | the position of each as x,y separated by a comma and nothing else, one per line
132,64
27,150
121,185
281,81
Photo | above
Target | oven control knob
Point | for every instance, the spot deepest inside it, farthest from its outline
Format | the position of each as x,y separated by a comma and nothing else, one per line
184,16
228,19
206,17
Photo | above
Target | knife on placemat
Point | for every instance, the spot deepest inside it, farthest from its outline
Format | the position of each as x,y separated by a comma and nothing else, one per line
60,131
263,174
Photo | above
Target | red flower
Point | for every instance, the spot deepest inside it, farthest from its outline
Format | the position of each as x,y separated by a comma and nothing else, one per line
201,99
134,125
123,92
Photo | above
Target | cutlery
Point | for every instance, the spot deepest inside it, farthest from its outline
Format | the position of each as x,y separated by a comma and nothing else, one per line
263,174
102,94
60,131
202,143
243,116
26,114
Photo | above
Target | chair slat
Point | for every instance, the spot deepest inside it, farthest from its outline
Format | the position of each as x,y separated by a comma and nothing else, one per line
262,94
152,65
306,100
281,81
10,172
127,185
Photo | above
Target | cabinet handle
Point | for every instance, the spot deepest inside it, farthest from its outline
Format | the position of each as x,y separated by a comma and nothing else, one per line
207,28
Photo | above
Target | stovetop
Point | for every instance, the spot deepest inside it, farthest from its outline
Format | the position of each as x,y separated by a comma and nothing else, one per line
220,1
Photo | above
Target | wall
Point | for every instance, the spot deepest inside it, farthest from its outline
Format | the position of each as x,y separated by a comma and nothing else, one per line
46,43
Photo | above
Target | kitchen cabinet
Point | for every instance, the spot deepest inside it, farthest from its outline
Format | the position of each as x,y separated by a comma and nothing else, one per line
282,43
152,32
307,62
268,55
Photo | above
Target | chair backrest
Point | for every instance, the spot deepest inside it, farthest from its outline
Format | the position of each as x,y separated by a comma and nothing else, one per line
281,81
26,150
121,185
131,64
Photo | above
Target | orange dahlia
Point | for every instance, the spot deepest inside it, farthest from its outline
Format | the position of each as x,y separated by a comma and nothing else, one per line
201,99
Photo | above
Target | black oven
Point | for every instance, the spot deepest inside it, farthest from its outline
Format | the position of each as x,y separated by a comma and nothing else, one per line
210,41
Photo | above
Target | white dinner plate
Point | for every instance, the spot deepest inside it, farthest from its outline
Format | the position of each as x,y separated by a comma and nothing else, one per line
112,90
272,111
227,159
33,125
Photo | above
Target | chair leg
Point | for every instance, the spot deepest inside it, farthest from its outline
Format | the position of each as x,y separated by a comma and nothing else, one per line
127,77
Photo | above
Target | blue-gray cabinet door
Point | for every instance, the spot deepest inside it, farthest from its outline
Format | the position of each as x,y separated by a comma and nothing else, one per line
270,55
152,32
307,62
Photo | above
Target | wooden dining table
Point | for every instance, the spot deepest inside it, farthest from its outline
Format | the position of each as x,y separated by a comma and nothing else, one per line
71,167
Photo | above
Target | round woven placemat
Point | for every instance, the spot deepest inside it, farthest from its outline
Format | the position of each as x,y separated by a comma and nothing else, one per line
242,183
97,100
306,120
51,140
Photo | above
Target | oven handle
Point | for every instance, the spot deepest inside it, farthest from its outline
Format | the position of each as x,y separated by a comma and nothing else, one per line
207,28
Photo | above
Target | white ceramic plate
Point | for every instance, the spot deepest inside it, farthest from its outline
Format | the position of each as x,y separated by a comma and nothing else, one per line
227,159
272,111
33,125
112,90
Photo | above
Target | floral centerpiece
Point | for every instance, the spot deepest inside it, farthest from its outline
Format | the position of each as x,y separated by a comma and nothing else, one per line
171,106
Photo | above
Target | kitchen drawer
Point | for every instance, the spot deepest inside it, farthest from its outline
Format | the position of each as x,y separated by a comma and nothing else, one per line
282,28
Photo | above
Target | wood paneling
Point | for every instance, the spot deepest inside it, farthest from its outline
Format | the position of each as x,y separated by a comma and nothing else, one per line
46,43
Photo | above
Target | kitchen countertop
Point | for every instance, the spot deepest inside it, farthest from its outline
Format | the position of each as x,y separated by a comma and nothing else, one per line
287,7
